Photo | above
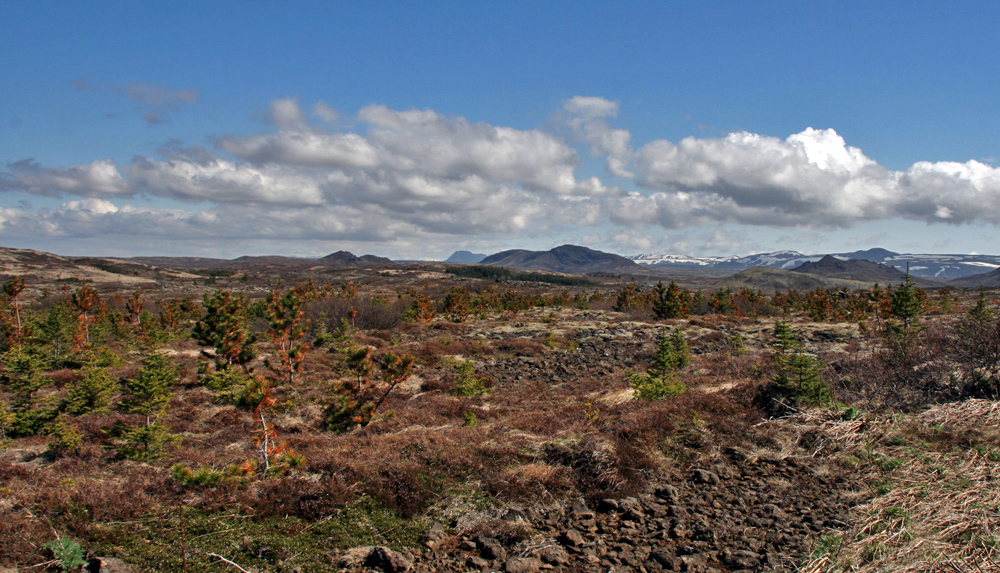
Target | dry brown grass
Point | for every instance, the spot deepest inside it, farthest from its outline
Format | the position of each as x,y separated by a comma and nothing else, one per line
561,423
933,507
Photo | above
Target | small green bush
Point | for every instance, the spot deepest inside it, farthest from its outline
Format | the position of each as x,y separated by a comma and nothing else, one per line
67,553
661,381
203,476
466,381
797,379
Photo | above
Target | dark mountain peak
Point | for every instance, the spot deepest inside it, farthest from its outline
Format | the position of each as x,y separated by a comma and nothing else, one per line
562,259
830,263
373,260
465,257
875,255
859,270
348,258
511,255
340,258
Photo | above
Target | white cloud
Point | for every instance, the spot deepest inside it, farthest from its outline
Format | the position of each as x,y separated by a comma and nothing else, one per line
223,181
99,178
453,147
325,112
285,113
422,176
811,179
630,240
305,148
719,241
89,207
585,117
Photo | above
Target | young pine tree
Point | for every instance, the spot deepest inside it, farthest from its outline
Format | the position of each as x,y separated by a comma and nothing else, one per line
57,330
84,299
148,394
797,377
22,374
357,401
660,381
91,393
977,346
12,320
456,304
670,301
224,327
900,333
288,327
627,299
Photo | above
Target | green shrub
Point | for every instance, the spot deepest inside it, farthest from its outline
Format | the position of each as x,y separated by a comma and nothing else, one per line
67,553
64,437
231,385
202,476
92,392
670,301
797,379
466,381
661,381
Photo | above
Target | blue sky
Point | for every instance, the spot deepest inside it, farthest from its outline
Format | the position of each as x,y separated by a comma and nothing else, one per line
412,130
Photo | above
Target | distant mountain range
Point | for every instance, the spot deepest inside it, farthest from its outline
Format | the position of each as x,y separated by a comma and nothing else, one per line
340,258
939,267
348,258
828,272
867,266
768,271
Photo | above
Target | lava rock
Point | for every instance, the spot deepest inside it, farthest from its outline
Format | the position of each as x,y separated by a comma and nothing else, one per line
387,560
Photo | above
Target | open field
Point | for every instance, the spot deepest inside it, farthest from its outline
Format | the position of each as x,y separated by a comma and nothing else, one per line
408,418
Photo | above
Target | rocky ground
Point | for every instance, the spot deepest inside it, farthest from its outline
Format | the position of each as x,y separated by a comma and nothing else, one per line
742,513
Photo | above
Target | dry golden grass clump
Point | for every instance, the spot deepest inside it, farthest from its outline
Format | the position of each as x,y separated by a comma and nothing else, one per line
935,500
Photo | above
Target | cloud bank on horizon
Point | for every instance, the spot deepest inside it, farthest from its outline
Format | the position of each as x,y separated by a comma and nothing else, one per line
423,178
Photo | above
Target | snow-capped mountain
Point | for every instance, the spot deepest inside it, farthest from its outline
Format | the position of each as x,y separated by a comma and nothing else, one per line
945,266
677,260
778,259
925,265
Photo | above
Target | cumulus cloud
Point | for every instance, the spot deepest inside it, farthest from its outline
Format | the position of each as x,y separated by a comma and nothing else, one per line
96,179
422,143
325,112
453,147
630,240
811,179
304,148
285,113
421,175
223,181
586,118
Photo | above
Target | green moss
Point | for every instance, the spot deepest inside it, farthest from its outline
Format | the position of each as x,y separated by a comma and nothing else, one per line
273,543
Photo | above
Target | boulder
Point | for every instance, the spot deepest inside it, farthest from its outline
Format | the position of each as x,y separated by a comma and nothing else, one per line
387,560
